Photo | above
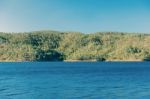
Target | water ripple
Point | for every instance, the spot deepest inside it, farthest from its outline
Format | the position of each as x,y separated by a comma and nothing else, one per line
15,94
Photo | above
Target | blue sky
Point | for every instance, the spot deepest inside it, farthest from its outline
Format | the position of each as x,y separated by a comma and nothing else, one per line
75,15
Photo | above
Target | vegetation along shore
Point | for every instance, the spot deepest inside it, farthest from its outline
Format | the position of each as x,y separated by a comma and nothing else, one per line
74,46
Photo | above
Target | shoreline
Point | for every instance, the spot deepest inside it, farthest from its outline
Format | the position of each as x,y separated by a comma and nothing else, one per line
86,61
94,60
70,60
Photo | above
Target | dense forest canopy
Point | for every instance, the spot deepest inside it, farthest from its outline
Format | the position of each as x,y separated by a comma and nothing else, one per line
71,46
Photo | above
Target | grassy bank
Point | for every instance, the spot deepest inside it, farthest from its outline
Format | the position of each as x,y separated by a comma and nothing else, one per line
59,46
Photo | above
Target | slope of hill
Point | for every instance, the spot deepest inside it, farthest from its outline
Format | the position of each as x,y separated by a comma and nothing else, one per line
74,46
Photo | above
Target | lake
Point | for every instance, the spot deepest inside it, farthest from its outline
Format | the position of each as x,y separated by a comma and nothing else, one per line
79,80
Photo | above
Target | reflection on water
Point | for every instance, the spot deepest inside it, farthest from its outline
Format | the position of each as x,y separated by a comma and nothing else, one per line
74,80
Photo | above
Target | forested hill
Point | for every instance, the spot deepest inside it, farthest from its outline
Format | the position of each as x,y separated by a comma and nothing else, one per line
59,46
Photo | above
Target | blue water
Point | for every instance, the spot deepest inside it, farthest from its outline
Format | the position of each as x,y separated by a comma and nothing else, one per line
108,80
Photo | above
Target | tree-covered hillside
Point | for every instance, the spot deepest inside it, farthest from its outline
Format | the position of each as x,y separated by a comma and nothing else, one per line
71,46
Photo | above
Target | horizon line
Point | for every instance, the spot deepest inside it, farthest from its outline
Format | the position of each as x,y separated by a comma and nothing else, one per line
75,31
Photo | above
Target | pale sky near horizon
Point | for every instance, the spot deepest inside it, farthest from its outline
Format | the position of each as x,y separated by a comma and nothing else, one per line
75,15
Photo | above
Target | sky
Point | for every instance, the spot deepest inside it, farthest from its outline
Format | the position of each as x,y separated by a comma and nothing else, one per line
85,16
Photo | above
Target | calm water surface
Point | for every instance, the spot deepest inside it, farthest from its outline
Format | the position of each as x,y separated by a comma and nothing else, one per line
108,80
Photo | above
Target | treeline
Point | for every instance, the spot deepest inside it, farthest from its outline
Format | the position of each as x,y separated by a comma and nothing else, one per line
73,46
